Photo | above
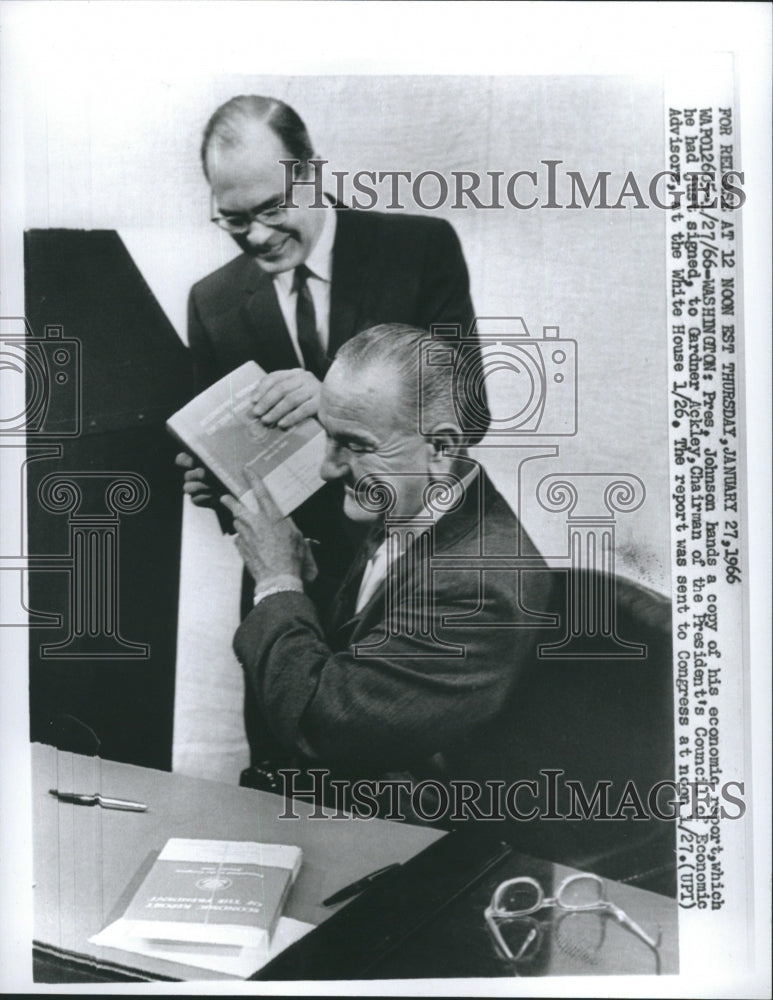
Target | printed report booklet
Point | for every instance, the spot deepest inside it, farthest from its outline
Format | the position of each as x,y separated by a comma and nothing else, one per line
212,903
219,428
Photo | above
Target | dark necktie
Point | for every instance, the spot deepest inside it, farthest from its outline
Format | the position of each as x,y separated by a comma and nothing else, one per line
314,357
345,601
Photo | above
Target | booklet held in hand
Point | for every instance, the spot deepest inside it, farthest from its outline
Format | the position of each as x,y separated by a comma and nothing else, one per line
220,430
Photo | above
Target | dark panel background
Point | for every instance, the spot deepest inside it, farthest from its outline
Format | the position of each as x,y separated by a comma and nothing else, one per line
135,372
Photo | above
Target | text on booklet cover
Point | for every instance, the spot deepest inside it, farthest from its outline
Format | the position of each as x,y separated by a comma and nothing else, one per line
214,891
219,428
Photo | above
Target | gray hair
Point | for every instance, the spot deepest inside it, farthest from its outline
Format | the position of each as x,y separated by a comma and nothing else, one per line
426,391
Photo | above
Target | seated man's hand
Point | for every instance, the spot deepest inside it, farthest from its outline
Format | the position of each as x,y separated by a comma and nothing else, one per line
269,544
286,397
198,484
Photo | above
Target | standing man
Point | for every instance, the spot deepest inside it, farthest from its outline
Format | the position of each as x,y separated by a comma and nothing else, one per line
307,280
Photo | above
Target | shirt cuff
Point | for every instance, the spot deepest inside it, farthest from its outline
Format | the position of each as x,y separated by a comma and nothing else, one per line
277,585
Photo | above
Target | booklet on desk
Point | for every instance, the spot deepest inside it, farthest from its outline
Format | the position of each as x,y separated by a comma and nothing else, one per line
212,903
218,427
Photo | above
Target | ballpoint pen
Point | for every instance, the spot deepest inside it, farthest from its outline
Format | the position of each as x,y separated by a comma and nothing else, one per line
358,886
83,799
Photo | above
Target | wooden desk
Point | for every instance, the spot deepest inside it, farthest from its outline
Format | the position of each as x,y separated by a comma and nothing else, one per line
88,861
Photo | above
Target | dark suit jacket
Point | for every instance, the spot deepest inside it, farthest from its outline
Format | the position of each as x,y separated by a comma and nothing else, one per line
497,713
386,268
418,701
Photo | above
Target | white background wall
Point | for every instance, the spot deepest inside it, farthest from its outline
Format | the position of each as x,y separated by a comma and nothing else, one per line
126,158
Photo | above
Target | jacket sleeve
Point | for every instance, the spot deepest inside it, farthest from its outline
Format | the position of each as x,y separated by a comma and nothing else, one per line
401,704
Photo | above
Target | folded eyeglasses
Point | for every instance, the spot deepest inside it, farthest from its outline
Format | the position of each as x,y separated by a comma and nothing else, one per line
520,897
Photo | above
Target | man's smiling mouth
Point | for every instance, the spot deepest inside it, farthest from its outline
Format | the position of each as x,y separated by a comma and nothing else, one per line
270,252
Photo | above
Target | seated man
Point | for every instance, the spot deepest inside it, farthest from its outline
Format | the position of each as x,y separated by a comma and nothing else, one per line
417,664
427,670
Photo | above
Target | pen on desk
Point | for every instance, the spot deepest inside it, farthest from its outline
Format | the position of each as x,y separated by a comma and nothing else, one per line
84,799
358,886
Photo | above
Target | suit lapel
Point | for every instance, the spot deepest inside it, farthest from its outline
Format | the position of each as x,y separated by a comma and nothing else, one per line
341,611
352,253
372,612
446,533
352,272
263,318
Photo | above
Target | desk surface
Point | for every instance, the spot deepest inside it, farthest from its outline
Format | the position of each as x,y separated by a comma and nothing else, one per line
88,863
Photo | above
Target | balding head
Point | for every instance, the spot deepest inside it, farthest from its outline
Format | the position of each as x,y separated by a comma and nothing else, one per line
244,145
234,122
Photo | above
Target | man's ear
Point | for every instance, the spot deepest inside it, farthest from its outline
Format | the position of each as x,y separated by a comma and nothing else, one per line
442,443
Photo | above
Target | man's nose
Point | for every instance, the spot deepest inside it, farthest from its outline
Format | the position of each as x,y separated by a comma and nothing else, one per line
258,234
333,464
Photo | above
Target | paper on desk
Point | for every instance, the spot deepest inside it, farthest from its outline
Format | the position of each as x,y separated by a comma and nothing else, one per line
231,960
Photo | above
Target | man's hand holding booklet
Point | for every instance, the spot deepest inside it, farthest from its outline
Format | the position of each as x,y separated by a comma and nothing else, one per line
220,428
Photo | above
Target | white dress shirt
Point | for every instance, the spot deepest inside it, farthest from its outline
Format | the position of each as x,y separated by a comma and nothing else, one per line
378,565
320,264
